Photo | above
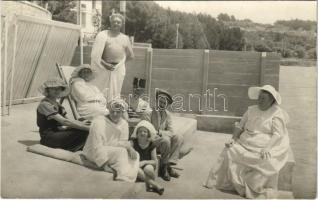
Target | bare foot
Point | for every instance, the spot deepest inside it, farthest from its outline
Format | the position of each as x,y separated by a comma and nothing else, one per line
206,185
159,189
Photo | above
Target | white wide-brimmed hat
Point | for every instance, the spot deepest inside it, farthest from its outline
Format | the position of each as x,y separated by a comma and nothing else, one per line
54,82
147,125
253,93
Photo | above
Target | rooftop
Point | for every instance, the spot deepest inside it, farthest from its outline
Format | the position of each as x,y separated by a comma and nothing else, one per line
23,172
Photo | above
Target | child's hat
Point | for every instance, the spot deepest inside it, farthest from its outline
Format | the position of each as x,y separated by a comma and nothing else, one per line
147,125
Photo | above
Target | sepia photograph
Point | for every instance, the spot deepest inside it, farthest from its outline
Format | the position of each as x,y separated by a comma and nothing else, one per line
158,99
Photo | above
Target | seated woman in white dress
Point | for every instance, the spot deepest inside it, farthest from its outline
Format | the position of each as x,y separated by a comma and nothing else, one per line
107,144
251,161
90,102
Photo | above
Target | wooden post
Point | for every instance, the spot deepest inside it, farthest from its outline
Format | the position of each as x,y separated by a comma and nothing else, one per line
79,22
205,75
13,63
5,55
81,47
149,70
262,68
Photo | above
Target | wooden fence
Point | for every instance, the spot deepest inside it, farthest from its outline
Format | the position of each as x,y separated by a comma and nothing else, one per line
31,47
201,81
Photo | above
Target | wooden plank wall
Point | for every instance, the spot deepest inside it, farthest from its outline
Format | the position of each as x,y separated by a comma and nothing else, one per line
135,69
231,74
190,74
40,44
179,72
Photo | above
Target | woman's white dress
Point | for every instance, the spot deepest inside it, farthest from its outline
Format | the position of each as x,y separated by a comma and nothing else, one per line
90,102
111,48
240,168
105,146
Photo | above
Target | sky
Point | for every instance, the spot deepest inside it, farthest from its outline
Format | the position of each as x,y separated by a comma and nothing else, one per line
266,12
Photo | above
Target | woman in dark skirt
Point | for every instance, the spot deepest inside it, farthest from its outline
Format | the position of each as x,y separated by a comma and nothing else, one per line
55,129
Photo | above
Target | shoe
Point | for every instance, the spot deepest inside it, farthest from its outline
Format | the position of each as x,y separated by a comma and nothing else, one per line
149,188
164,173
173,173
166,176
159,190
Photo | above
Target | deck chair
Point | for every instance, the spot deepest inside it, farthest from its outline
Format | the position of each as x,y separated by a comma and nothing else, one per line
65,74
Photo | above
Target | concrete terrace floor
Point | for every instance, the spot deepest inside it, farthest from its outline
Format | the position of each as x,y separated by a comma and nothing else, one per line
28,175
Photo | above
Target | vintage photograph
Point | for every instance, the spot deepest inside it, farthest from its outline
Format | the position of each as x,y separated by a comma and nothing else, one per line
158,99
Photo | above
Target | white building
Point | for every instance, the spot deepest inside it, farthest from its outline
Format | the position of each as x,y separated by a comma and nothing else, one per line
24,8
89,12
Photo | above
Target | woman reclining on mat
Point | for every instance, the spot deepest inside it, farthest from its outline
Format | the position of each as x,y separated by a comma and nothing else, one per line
90,102
56,130
107,144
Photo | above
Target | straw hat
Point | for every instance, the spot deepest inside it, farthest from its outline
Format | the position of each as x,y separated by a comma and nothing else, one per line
165,93
253,93
79,68
52,83
147,125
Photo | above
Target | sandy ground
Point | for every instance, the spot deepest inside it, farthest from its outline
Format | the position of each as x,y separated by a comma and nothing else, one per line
28,175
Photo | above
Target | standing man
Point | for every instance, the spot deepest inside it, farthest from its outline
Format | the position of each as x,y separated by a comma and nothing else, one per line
168,143
110,52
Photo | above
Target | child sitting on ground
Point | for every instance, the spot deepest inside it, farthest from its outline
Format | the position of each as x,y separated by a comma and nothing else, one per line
141,141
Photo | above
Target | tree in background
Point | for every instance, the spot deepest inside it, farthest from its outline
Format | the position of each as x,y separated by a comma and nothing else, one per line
148,22
262,47
96,20
297,24
312,53
300,51
232,39
224,17
63,10
107,7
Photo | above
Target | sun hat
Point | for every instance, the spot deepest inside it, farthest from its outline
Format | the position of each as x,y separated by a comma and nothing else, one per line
253,93
147,125
79,68
165,93
52,83
117,104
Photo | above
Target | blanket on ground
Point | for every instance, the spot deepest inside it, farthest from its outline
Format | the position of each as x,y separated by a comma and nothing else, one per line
61,154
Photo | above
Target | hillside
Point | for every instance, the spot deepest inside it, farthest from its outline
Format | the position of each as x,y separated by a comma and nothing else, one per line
293,38
150,23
